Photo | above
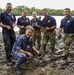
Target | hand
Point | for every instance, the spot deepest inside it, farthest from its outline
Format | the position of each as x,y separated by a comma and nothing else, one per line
47,28
42,29
8,27
59,37
14,25
38,52
29,54
38,26
22,26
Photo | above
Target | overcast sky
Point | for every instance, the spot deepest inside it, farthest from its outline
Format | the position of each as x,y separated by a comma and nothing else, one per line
52,4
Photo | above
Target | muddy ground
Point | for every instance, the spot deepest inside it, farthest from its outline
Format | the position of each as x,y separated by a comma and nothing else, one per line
46,64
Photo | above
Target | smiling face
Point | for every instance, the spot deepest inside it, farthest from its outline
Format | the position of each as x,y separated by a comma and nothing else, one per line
28,33
24,13
9,7
34,14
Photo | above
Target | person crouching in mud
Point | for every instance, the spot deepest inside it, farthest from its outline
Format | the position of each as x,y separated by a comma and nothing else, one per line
23,47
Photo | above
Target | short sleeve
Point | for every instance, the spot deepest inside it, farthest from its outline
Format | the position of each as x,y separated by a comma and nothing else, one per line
29,22
14,17
18,43
39,22
53,22
18,21
61,25
1,17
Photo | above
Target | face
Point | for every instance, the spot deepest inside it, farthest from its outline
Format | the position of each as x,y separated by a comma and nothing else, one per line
28,33
34,15
24,14
45,13
66,13
9,8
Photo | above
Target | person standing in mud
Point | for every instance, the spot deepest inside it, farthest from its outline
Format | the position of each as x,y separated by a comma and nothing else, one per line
24,47
7,22
36,24
67,24
48,25
22,22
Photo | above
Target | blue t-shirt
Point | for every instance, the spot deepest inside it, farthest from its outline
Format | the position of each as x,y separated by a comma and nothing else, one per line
22,43
68,25
49,22
37,21
23,21
7,19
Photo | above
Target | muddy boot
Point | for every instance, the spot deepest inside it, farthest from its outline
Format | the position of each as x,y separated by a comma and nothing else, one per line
65,57
44,48
9,61
18,69
66,52
52,51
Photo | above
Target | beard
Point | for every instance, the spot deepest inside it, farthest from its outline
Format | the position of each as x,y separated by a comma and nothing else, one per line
9,10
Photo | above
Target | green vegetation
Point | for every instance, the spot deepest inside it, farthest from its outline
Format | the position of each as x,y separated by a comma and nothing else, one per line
18,10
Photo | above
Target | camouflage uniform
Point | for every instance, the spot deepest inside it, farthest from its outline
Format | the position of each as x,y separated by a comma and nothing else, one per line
49,35
68,38
68,26
37,32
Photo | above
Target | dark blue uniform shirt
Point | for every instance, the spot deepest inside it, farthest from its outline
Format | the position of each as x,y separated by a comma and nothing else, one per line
23,21
7,19
37,21
48,22
22,43
68,25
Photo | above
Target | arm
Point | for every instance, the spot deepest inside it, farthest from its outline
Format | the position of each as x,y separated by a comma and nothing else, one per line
38,26
38,52
17,46
2,20
19,26
18,23
51,28
39,23
25,52
4,26
14,24
59,31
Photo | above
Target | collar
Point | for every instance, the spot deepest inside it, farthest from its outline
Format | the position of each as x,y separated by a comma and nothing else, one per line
35,19
24,18
67,18
47,17
27,39
7,13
